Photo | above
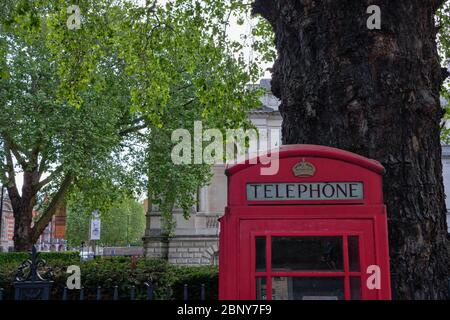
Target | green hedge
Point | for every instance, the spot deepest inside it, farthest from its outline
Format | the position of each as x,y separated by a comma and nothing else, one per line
18,257
107,272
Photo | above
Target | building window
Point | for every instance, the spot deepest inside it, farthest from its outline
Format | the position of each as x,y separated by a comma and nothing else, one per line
4,229
448,221
275,138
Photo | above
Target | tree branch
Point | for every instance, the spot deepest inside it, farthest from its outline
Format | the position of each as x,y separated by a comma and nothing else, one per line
15,149
52,175
132,129
35,153
438,3
48,213
444,74
11,178
267,9
41,168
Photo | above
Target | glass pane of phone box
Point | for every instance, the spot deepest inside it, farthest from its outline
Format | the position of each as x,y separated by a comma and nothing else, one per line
307,288
307,254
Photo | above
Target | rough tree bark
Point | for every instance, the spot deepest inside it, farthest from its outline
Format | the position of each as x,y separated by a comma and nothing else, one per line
33,164
23,214
376,93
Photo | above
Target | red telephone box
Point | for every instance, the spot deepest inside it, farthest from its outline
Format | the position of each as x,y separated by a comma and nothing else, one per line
317,230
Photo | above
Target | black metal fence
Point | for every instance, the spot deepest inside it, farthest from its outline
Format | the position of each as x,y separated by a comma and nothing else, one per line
99,293
31,283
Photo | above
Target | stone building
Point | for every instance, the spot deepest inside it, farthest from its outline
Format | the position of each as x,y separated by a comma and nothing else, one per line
7,226
53,236
446,175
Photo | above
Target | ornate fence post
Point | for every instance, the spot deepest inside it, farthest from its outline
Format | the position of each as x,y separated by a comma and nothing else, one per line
202,292
82,294
133,293
185,292
99,293
149,286
30,284
116,293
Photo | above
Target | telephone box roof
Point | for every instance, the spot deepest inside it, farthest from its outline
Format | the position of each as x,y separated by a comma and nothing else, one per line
309,150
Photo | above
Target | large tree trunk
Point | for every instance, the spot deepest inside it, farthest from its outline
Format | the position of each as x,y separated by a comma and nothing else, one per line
23,215
22,233
22,206
27,233
376,93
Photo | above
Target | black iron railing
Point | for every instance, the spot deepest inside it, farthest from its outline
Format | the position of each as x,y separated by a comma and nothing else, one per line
30,283
147,292
34,281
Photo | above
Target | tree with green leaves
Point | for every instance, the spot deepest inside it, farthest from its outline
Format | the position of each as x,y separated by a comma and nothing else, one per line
48,142
122,225
81,107
443,39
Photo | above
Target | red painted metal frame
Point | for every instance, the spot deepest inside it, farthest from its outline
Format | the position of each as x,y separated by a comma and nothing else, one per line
244,220
365,255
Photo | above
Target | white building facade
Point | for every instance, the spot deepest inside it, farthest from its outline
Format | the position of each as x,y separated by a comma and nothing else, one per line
446,176
7,226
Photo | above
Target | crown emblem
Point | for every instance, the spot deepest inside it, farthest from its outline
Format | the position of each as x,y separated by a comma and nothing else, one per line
304,169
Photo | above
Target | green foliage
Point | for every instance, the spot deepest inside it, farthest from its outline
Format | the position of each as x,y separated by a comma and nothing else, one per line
194,277
443,17
77,227
156,42
99,103
264,41
49,138
124,221
50,257
443,37
76,139
108,272
445,128
10,262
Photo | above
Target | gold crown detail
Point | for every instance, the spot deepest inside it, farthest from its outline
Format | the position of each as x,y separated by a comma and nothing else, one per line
304,169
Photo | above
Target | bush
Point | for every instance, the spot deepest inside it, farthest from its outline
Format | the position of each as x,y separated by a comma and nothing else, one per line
49,257
124,272
194,277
